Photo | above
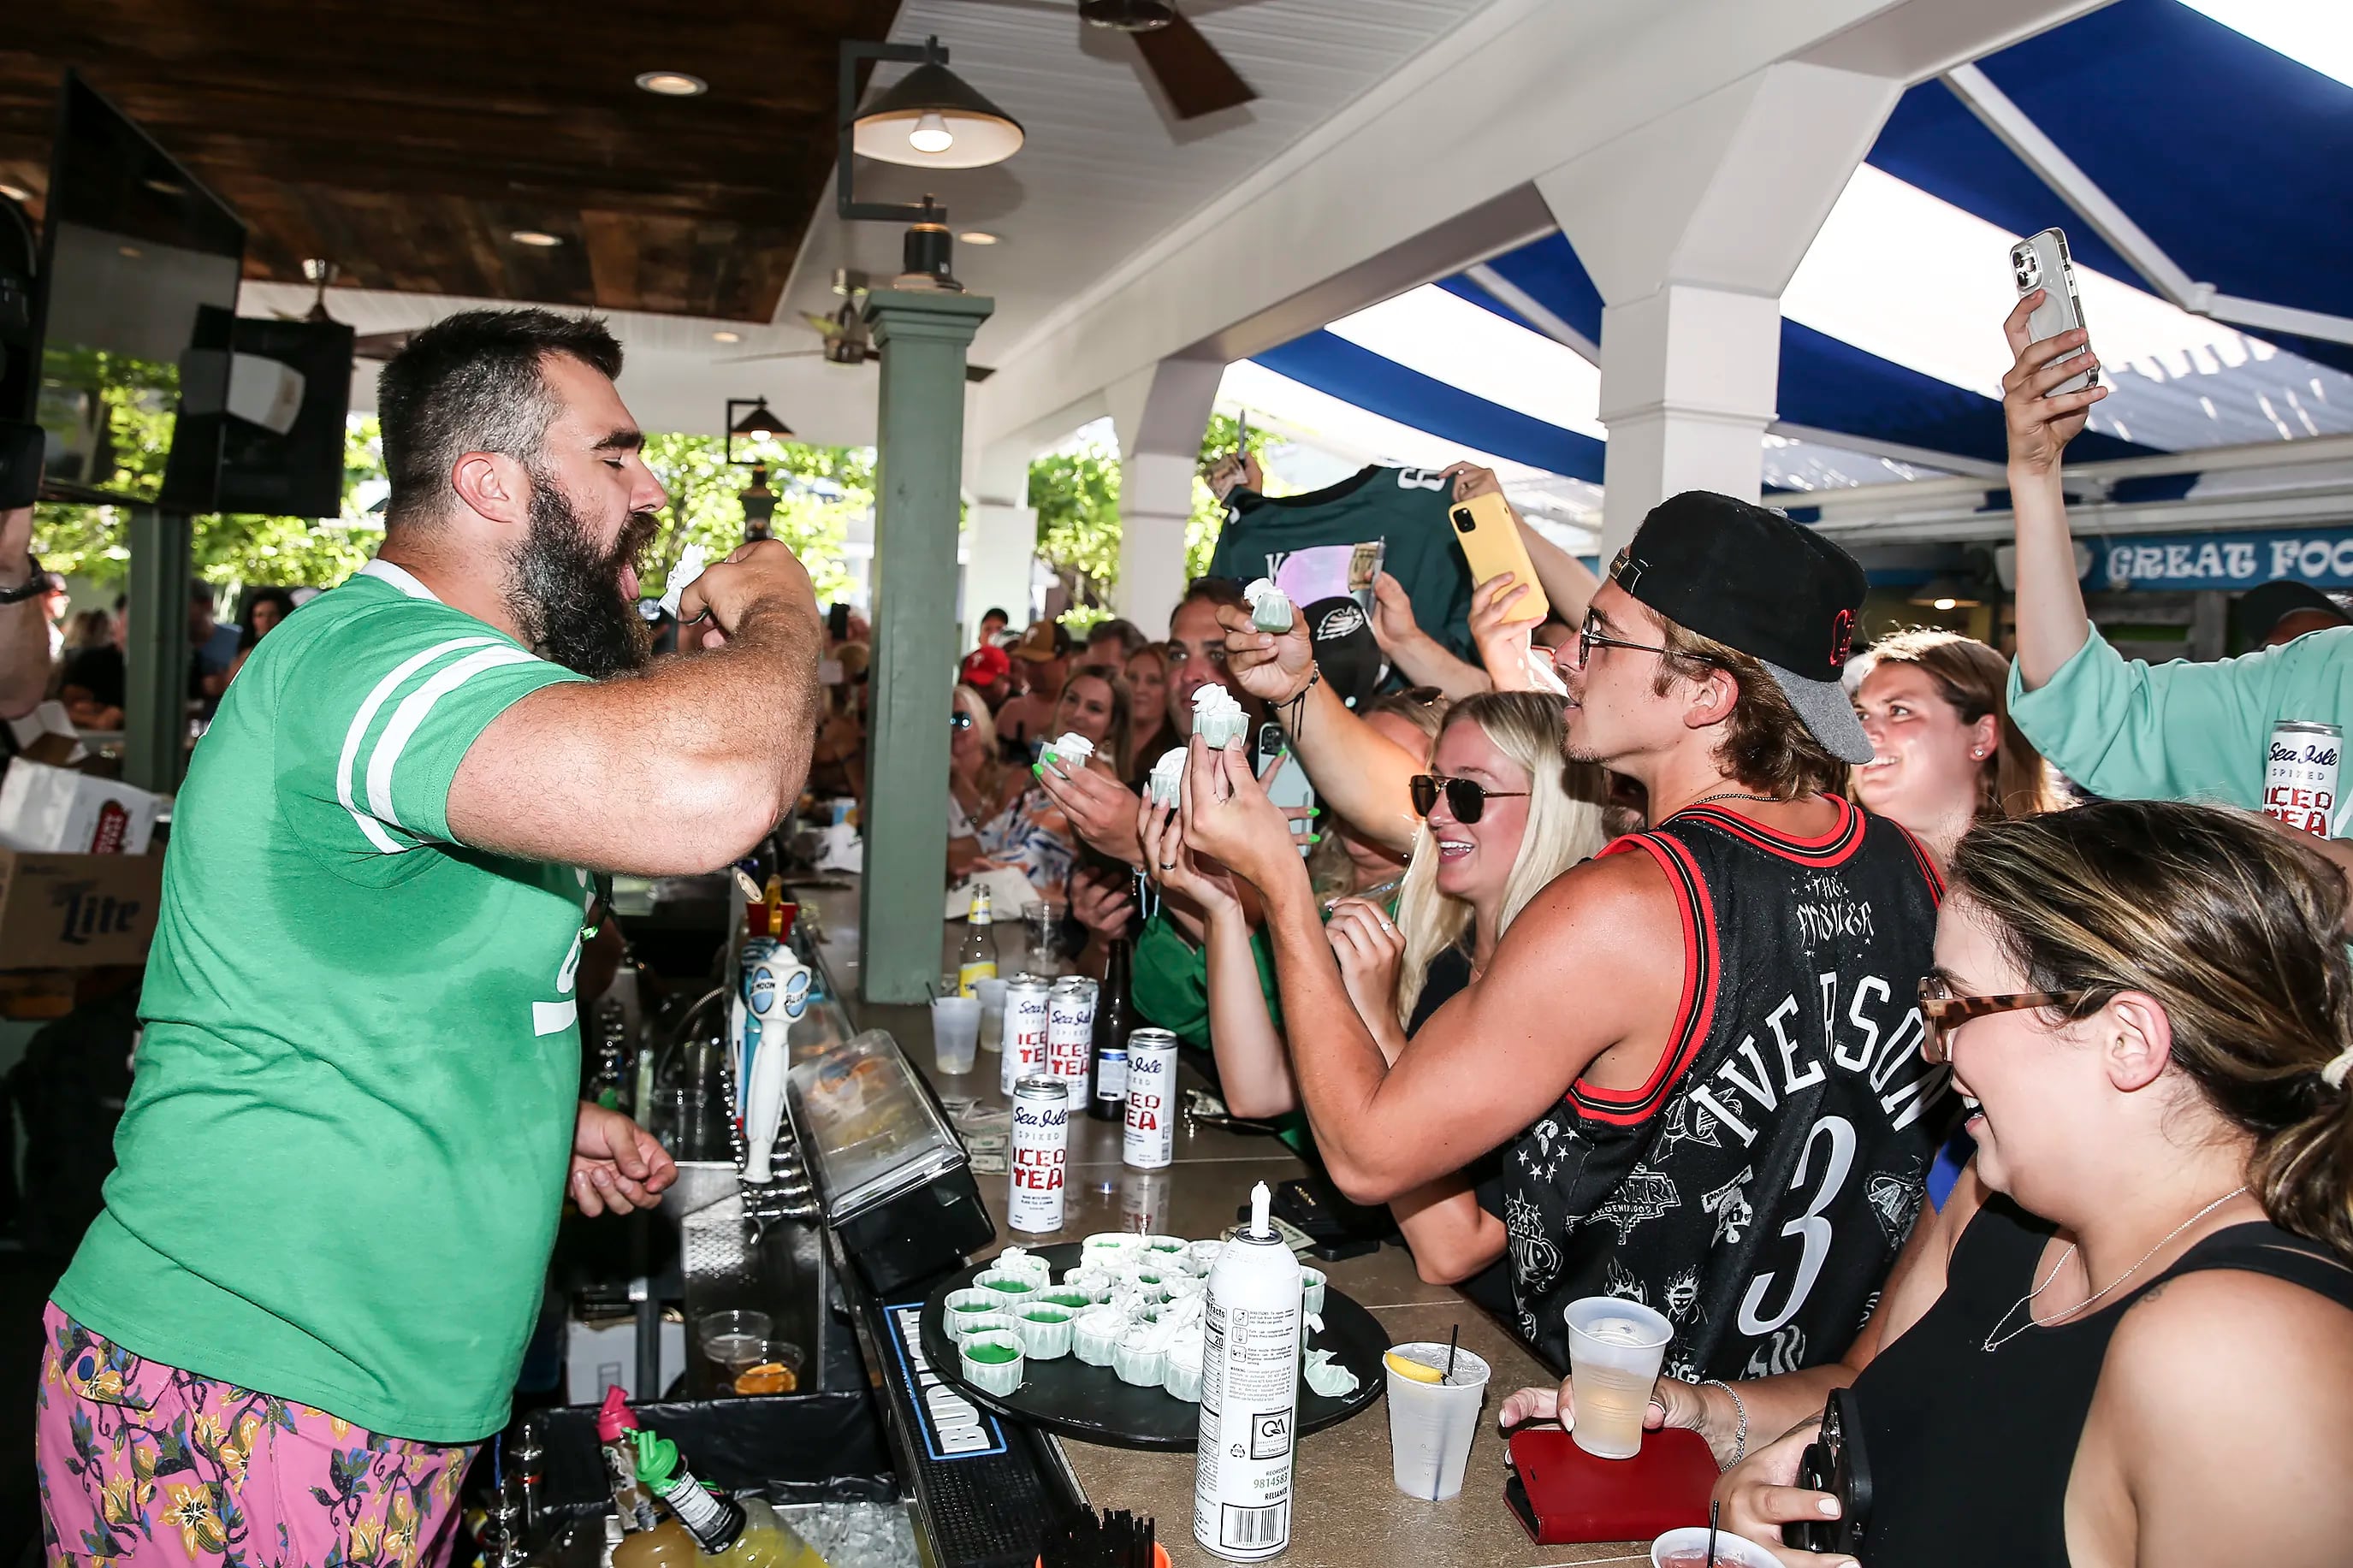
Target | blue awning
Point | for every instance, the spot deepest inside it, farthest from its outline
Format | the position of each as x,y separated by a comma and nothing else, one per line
2231,156
1334,365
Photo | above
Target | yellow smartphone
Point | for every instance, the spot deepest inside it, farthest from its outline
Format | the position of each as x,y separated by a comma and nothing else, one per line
1491,543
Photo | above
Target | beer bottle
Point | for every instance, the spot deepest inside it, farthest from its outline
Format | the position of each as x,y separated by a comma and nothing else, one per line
1115,1017
977,960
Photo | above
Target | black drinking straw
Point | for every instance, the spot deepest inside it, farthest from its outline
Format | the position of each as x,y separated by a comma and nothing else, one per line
1713,1508
1453,1342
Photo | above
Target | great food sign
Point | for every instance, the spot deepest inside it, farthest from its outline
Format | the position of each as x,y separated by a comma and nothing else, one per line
2320,557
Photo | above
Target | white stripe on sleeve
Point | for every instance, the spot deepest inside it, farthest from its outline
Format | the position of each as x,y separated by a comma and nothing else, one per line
358,732
413,711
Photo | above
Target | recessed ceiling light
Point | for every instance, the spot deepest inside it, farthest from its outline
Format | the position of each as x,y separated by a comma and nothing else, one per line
133,252
978,237
674,84
166,187
727,337
16,193
534,236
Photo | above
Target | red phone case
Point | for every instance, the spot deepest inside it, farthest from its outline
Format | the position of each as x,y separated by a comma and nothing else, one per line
1571,1497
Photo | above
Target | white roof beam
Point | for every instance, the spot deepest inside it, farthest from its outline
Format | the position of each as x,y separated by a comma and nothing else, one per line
1518,89
2019,133
2078,189
1893,451
1929,494
1532,311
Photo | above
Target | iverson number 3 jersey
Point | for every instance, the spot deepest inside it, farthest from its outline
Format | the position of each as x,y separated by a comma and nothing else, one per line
1758,1189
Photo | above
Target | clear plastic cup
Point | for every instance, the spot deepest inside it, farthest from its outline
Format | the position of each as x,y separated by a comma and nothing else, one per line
956,1033
739,1320
992,1013
1614,1350
1431,1424
1687,1548
1042,918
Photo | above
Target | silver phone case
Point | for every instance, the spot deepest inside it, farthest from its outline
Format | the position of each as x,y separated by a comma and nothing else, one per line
2040,261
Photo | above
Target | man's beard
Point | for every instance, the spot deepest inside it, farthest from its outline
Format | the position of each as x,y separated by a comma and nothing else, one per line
565,593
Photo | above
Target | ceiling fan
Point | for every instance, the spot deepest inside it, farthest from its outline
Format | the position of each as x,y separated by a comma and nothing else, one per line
844,331
367,345
1193,76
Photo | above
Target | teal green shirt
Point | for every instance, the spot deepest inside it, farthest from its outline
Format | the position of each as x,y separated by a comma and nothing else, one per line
2130,730
343,1155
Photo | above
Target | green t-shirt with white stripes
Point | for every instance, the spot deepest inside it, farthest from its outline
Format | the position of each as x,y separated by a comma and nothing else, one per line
343,1155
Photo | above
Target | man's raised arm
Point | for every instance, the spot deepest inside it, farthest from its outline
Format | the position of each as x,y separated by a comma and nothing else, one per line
1357,771
679,769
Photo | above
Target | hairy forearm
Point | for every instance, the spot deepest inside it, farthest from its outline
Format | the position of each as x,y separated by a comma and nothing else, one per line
677,770
1426,661
1357,771
2052,623
1253,1073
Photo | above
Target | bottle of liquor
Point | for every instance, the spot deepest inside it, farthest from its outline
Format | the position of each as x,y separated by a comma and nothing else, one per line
744,1533
1115,1017
977,959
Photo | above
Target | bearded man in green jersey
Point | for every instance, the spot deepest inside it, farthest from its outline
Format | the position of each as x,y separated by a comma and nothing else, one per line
356,1105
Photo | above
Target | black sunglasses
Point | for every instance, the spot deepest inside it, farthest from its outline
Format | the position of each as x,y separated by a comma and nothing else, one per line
959,720
1466,798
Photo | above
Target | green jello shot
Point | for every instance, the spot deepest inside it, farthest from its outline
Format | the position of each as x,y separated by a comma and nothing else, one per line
996,1355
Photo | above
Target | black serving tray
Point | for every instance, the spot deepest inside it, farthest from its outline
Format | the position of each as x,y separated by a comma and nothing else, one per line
1091,1404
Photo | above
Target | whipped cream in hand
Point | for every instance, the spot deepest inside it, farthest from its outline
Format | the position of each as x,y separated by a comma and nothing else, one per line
1218,718
1269,606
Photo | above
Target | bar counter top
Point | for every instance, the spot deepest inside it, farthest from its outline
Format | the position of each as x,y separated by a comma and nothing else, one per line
1346,1512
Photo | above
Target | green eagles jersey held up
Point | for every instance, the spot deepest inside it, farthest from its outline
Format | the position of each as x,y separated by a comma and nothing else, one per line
343,1155
1332,541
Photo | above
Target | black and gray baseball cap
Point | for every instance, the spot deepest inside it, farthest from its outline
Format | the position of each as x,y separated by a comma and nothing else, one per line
1748,577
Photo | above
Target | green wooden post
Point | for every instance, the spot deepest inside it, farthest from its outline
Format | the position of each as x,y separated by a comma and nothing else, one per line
155,656
919,463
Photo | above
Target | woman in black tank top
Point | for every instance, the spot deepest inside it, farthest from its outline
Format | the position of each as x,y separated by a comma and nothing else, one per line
2128,1339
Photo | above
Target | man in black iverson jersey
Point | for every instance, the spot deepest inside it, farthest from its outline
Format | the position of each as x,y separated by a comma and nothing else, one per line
1699,1050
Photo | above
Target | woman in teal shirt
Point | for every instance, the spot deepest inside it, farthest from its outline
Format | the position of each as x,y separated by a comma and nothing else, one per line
2121,728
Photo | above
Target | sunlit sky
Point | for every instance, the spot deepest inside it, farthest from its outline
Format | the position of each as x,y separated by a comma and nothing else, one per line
2317,31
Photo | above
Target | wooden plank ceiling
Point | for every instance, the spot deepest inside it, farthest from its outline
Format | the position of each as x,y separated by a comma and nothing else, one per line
407,139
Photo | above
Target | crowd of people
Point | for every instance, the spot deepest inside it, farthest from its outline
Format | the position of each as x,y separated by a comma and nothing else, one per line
1664,948
77,656
1948,1028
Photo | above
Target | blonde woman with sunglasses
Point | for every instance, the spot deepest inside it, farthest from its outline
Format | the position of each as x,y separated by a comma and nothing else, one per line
1502,816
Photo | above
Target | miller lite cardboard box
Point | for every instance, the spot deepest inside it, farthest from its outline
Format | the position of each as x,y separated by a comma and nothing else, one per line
77,889
76,911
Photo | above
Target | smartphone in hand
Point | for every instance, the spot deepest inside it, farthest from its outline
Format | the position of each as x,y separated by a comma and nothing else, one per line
2040,261
1492,544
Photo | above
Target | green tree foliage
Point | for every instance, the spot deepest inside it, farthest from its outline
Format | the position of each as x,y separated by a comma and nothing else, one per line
1076,494
819,490
87,540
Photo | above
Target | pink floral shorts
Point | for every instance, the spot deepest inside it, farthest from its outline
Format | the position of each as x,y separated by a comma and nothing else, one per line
144,1464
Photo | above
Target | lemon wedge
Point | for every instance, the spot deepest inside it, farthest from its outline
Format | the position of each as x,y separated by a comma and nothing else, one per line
1419,1371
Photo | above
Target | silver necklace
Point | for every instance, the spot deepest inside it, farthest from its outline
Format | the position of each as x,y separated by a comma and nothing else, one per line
1722,794
1997,1339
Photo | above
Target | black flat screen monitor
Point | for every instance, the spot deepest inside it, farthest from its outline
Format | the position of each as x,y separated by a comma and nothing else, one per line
134,252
